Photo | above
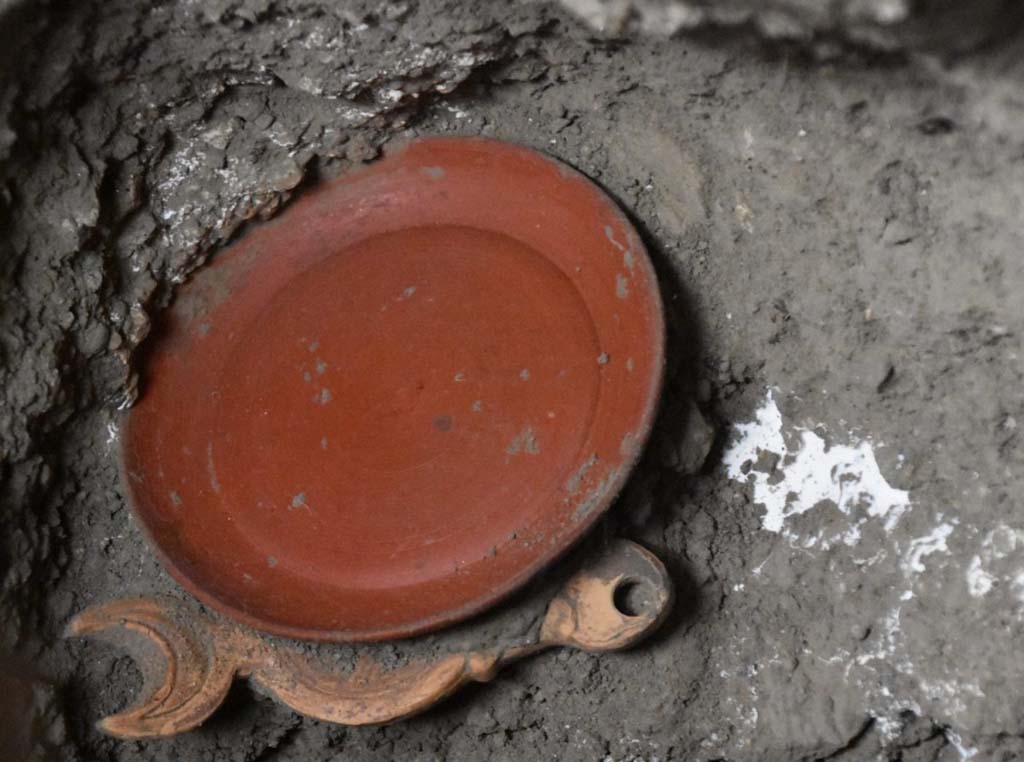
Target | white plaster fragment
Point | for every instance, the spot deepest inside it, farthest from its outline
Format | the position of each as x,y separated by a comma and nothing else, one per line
846,475
979,581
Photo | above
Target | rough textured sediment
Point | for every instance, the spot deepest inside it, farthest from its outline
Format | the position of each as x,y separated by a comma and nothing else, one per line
939,26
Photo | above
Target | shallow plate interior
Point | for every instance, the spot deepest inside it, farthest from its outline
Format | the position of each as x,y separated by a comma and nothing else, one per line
390,406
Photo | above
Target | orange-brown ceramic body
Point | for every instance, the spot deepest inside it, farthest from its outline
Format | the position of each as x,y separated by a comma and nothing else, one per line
393,404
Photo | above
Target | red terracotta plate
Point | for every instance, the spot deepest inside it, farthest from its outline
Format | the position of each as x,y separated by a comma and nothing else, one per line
393,404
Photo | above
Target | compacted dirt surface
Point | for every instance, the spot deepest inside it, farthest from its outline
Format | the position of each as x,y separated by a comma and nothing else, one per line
835,474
